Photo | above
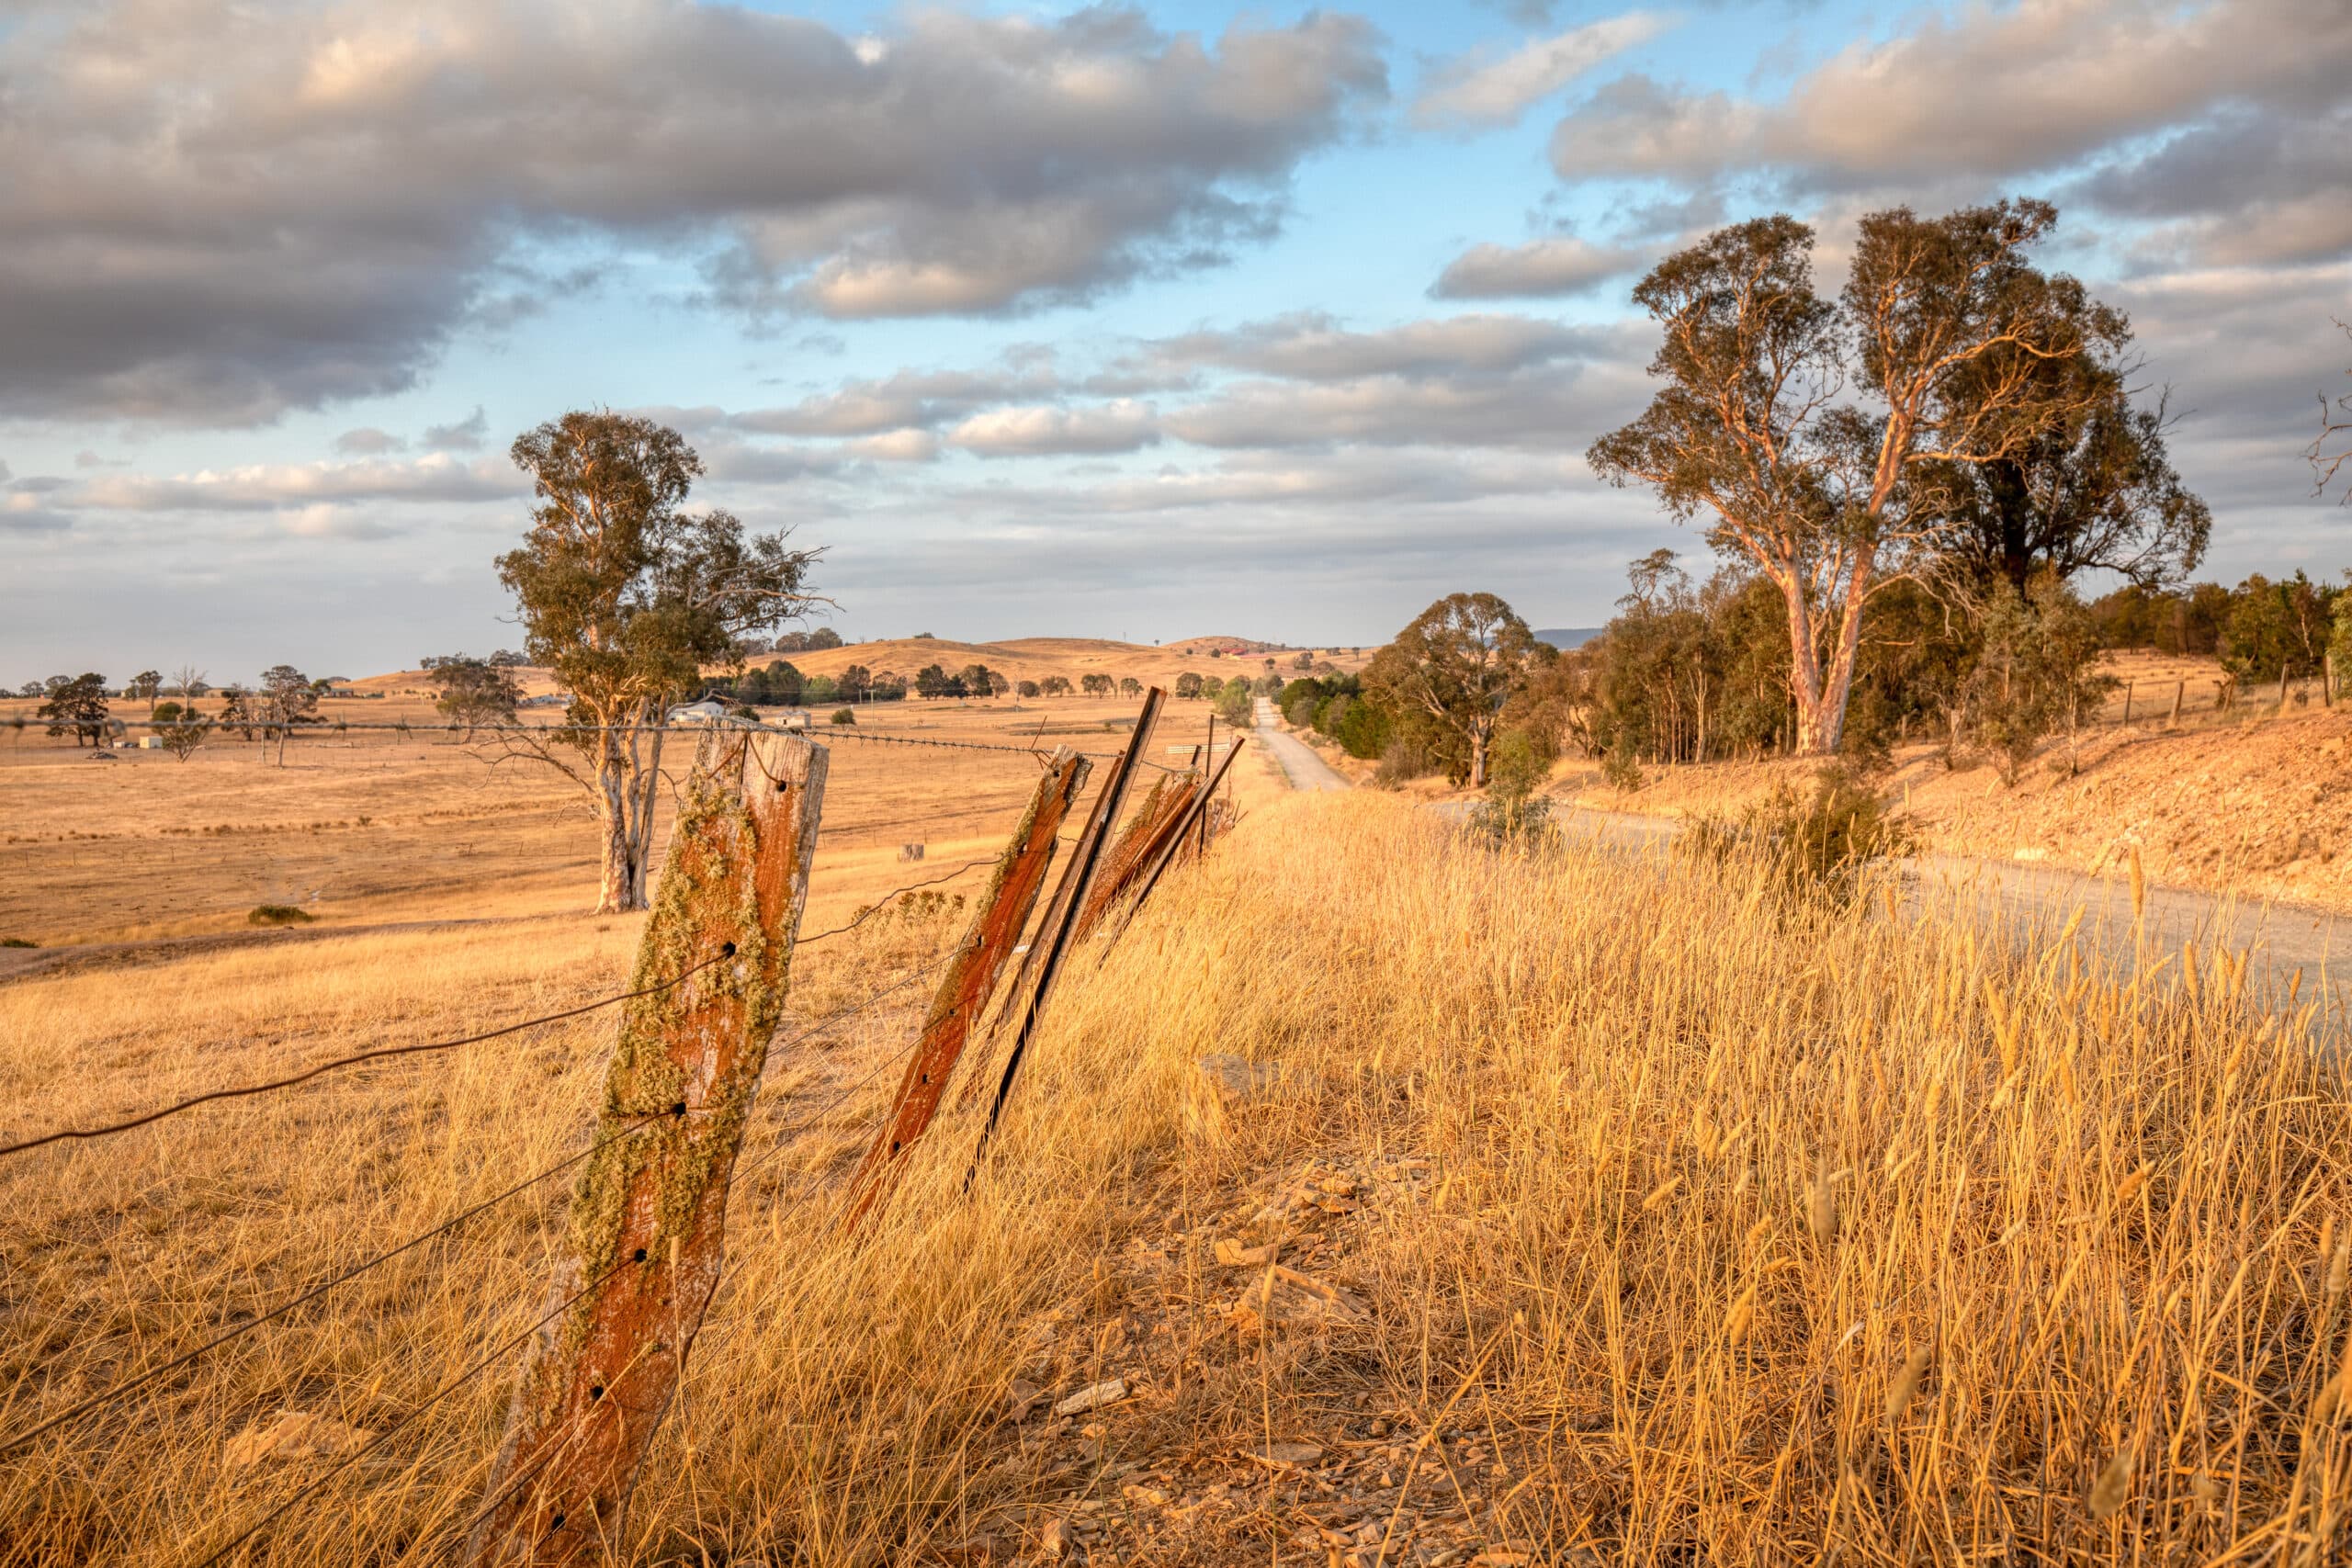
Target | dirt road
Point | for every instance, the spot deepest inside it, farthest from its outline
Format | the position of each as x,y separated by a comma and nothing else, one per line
1304,769
2284,939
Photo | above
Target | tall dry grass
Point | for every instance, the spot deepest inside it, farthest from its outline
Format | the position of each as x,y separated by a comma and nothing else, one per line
1752,1233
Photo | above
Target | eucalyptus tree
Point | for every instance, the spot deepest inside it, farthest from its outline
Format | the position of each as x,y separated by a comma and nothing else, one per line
625,595
1943,332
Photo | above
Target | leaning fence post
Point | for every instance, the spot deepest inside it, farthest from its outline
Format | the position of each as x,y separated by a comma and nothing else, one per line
1053,938
972,976
646,1232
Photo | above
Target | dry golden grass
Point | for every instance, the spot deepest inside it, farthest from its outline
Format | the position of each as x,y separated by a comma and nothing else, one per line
1685,1227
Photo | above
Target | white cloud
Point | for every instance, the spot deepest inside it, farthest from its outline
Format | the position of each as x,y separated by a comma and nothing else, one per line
1476,92
1123,426
1561,264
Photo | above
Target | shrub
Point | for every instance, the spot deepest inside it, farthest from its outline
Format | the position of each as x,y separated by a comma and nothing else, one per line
843,716
1512,811
1402,760
280,915
1821,843
1619,766
17,942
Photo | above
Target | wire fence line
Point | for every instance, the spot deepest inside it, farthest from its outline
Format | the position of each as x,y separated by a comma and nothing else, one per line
130,1384
776,1142
381,1053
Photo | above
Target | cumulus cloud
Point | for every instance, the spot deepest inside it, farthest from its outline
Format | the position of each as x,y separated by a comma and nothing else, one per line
1479,91
921,400
1561,264
219,212
2000,93
289,486
368,442
1123,426
1312,347
897,446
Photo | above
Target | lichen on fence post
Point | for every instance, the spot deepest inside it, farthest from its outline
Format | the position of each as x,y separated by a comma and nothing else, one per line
646,1234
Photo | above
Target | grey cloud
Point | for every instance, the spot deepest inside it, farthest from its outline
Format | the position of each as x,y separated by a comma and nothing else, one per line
1988,93
1310,346
1481,90
368,442
86,458
909,399
463,436
1561,264
1538,409
220,212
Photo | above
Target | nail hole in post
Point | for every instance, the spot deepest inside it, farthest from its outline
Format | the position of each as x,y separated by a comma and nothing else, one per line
726,950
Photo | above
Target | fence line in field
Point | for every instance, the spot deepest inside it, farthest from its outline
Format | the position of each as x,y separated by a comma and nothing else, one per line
549,1452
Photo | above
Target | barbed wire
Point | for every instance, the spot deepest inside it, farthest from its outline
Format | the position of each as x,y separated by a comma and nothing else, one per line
876,908
726,951
126,1385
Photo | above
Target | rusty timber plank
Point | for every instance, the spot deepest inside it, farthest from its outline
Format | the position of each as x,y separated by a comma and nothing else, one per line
971,976
646,1232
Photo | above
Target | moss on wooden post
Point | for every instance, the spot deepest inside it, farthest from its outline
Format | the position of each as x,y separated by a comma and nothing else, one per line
646,1234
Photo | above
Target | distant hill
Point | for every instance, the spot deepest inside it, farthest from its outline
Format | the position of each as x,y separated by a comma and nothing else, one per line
1566,638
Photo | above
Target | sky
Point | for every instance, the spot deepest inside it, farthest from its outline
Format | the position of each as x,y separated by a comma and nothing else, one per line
1137,321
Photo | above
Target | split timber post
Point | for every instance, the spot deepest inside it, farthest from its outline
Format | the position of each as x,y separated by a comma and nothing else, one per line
971,976
2181,690
1163,806
2128,686
1178,836
1053,937
647,1228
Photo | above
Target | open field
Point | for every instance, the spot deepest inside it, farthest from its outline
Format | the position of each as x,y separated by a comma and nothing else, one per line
367,827
1630,1214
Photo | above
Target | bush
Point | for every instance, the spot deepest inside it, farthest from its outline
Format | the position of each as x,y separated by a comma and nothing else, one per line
843,716
1619,766
280,915
17,942
1512,811
1401,761
1822,844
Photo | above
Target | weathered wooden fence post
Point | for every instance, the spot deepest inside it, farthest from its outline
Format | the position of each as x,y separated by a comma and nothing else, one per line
1052,938
972,976
647,1228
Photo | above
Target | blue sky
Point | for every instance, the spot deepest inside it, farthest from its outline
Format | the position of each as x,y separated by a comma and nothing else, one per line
1123,322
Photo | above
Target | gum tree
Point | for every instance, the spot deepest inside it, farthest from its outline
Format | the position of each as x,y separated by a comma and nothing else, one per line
1943,332
625,595
1454,667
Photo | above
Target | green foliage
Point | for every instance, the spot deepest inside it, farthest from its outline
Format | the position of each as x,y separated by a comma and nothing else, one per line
1401,761
779,684
17,942
1027,688
1819,843
280,915
470,690
1621,769
2034,673
1188,685
2275,628
843,716
1448,676
1234,704
78,706
820,689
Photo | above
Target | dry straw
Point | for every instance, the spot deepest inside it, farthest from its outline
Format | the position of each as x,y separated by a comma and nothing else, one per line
1610,1069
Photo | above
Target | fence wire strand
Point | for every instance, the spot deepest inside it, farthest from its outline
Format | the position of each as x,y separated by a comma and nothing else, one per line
341,1062
116,1391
